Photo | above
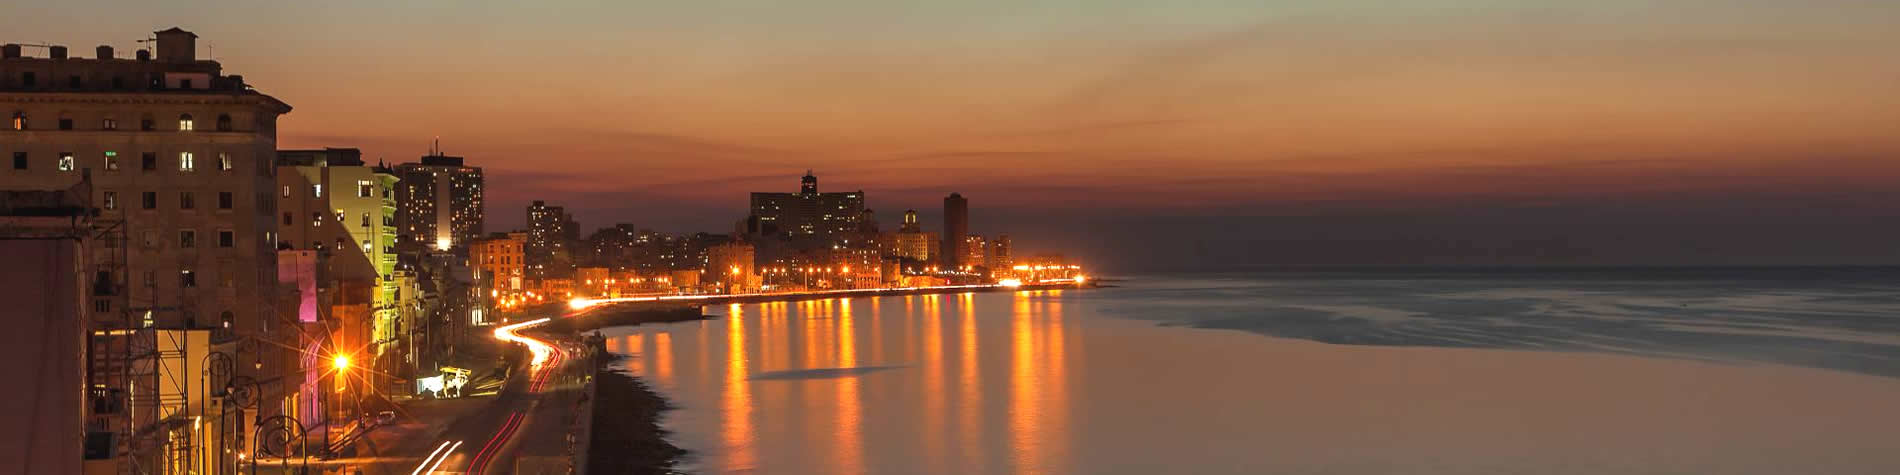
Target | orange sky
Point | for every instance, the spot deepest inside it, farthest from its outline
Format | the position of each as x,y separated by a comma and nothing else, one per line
613,106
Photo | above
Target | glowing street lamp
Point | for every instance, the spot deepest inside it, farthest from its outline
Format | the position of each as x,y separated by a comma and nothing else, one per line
341,362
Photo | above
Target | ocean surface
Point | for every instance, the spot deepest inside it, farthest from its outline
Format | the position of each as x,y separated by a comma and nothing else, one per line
1364,371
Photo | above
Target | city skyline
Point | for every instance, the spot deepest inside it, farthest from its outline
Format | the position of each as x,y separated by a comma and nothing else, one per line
1438,121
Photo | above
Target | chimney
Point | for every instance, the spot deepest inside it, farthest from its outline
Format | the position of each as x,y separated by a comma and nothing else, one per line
59,52
105,52
10,51
177,46
145,55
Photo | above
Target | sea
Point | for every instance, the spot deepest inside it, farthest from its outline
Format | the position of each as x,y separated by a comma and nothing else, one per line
1455,371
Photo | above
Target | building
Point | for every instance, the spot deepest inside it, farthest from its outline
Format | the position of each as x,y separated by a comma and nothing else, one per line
956,226
180,157
551,233
975,252
811,218
362,198
999,260
439,202
502,257
48,322
910,241
730,266
615,246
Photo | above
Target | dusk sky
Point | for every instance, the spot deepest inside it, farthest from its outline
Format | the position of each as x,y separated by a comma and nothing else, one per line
1140,135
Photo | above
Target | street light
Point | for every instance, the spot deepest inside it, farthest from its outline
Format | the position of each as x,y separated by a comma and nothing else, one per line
341,362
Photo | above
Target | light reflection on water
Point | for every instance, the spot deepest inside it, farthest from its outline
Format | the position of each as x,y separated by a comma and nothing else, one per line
1043,382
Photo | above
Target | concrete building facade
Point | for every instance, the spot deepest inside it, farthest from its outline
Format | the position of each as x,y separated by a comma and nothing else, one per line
439,202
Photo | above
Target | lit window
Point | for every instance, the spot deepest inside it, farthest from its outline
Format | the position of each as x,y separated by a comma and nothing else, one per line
111,200
19,121
185,162
108,124
224,161
318,189
112,161
187,279
66,161
184,122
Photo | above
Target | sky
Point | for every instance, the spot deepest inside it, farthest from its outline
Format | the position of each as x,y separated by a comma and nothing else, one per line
1134,135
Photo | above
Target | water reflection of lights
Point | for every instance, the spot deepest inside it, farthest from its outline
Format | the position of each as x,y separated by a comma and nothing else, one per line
583,303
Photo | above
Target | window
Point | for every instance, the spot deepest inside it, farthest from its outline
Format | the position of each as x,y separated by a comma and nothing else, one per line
286,191
224,200
187,279
151,279
287,218
184,120
149,199
150,239
73,81
19,160
111,200
65,123
365,188
118,82
187,239
226,318
19,118
28,79
147,124
227,239
148,161
317,189
101,306
187,200
365,220
224,161
184,84
66,161
224,122
316,219
108,124
112,161
185,163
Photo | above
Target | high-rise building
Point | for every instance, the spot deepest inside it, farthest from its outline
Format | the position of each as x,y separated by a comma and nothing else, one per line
956,227
551,231
439,202
809,217
179,156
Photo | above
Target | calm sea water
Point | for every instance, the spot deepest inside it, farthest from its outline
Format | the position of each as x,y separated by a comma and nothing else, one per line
1731,371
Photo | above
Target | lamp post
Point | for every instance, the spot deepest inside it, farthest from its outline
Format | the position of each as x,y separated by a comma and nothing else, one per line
340,363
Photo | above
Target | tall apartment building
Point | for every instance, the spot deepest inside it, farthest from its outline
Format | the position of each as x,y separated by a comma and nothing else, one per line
439,201
180,159
956,226
551,232
809,217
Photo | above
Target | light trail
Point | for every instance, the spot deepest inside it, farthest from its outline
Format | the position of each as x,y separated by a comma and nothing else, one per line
494,444
445,457
540,349
583,303
432,454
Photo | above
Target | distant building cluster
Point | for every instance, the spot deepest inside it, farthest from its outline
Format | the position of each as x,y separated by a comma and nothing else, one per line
191,279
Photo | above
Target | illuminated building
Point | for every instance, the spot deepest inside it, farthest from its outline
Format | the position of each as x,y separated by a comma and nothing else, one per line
363,199
179,155
551,232
730,266
439,202
911,241
809,217
616,246
975,252
956,226
999,260
502,258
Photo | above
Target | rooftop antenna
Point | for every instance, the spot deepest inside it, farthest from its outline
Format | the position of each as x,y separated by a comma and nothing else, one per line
435,148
